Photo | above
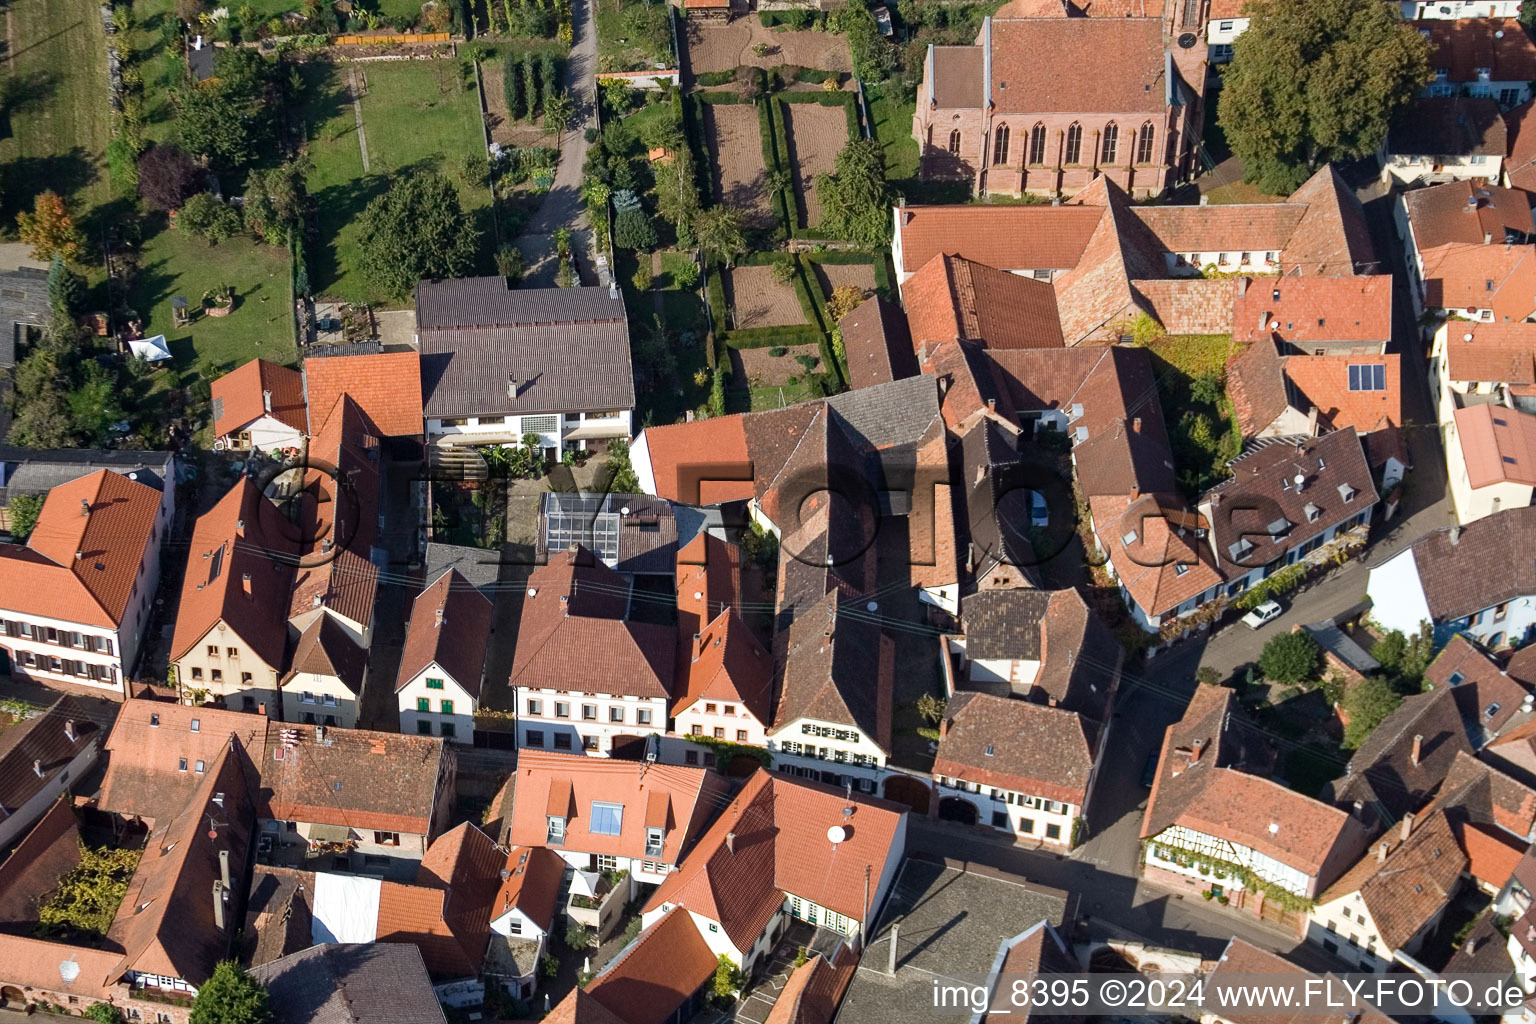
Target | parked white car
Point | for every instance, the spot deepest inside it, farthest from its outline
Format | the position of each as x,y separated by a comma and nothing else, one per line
1266,612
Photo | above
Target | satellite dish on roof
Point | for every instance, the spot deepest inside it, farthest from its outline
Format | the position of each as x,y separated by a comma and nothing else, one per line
1467,336
624,511
213,833
1274,325
1499,34
1299,479
873,606
836,834
69,970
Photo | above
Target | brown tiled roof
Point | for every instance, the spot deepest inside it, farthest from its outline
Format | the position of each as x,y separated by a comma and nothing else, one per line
42,742
1188,305
652,978
1037,66
1095,297
1382,774
165,924
579,1007
838,668
575,603
278,913
1257,227
325,648
1445,214
236,539
1520,164
145,747
1322,382
355,778
1405,891
777,826
727,664
46,853
1480,794
1332,237
1492,560
1309,310
85,557
1449,126
1149,565
1498,445
952,298
1082,657
1256,385
385,385
1496,353
576,781
451,922
877,343
239,399
708,571
1015,745
958,81
532,884
351,983
1461,46
450,627
1337,487
700,463
1497,277
1240,959
1007,237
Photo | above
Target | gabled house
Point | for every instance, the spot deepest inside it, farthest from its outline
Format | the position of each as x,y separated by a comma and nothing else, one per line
1024,769
522,916
877,343
1467,249
1276,395
1478,579
1485,379
385,385
618,695
36,471
1216,821
39,759
77,595
1445,138
1490,57
1316,316
1244,960
955,299
728,690
442,664
361,982
604,814
498,363
1487,695
259,405
1225,21
325,676
664,977
231,635
784,850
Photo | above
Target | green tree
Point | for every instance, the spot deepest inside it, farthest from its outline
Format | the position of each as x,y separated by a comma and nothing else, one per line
874,59
1314,81
1365,705
41,419
717,232
621,474
167,175
530,85
94,404
231,120
632,230
231,996
277,203
559,109
49,229
509,262
855,200
416,231
727,978
24,510
931,708
104,1013
677,195
209,218
1528,14
66,298
512,86
1289,658
87,897
578,937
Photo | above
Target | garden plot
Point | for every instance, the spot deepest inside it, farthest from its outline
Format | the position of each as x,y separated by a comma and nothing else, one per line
736,143
721,46
815,135
760,368
831,276
756,299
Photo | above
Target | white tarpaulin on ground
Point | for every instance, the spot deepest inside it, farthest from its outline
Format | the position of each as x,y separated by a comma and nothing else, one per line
346,909
151,350
585,883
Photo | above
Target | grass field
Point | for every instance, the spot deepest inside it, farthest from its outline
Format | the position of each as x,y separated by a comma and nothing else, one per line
175,263
416,116
54,123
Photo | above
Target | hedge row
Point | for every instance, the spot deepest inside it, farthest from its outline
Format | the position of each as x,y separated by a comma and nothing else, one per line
767,337
693,131
841,99
776,155
846,258
712,78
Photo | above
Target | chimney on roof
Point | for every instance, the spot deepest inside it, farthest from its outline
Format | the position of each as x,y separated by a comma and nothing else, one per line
1136,424
240,527
218,905
696,648
266,400
224,868
1312,422
1407,826
1418,748
439,622
514,385
1196,749
69,730
245,583
1455,535
1381,853
37,766
1471,946
943,727
730,841
1359,808
890,964
85,507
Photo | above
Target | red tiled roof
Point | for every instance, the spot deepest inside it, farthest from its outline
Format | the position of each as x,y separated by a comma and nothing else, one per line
1331,238
813,990
1473,277
1007,237
1491,857
385,385
85,556
576,603
450,627
1256,227
233,545
532,884
148,741
1443,214
548,783
447,913
1037,66
666,965
1148,567
1323,382
1520,165
772,840
1309,310
240,397
708,569
952,298
326,648
1463,45
1188,305
1498,444
704,462
728,664
1495,353
1241,960
1405,890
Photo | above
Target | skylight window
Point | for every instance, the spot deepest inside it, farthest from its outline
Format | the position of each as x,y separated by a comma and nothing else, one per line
607,819
1367,377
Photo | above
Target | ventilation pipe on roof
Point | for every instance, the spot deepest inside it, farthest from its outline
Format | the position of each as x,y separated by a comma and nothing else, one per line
37,766
1455,535
439,618
224,868
218,905
69,730
1407,827
890,964
85,507
730,841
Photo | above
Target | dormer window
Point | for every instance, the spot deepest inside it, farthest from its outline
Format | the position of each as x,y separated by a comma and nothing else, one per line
555,835
653,840
1312,512
1347,493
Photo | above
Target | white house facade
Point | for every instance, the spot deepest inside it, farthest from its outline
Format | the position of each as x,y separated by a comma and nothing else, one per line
432,703
572,720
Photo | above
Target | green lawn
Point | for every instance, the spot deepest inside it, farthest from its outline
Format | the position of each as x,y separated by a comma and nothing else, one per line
175,263
416,116
54,123
893,127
